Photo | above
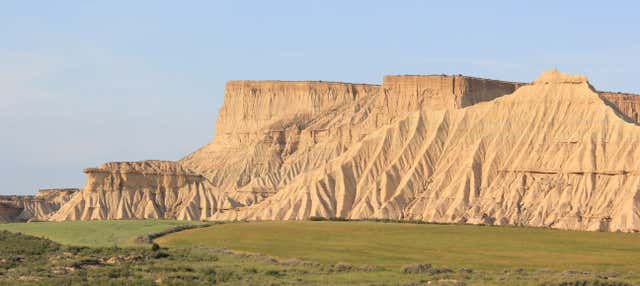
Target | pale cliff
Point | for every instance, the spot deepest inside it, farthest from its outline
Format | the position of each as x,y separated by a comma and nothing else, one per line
38,207
628,104
269,132
552,153
141,190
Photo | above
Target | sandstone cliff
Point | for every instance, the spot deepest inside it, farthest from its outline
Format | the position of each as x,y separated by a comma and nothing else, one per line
628,104
141,190
269,132
455,149
38,207
551,154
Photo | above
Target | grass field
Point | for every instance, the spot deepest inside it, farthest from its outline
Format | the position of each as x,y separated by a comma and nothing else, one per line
94,233
314,253
393,244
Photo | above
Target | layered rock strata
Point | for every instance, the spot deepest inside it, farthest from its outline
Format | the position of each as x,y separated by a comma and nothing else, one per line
142,190
553,153
38,207
269,132
628,104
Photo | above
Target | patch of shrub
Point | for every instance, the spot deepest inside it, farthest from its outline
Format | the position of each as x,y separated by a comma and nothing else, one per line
319,218
438,270
586,283
215,277
224,276
251,270
415,268
160,254
342,267
368,268
155,247
274,273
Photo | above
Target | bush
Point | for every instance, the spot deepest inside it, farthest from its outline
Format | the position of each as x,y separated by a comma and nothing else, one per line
415,268
319,218
342,267
274,273
588,283
155,247
160,255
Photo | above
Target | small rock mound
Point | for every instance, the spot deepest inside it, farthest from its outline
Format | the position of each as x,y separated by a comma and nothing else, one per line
554,76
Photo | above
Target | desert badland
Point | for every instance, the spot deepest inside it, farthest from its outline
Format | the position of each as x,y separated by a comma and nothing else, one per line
432,148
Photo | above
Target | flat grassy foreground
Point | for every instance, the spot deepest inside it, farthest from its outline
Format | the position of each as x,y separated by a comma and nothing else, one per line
94,233
392,245
314,253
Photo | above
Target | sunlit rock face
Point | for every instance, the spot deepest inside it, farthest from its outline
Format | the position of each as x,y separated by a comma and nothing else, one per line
141,190
455,149
38,207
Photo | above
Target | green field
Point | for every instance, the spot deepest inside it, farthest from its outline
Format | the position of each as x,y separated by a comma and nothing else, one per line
393,245
94,233
313,253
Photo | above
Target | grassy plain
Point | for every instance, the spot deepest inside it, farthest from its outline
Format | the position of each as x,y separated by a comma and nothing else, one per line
314,253
395,244
94,233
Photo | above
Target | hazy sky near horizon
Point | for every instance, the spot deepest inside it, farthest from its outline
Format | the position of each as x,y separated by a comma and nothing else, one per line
85,82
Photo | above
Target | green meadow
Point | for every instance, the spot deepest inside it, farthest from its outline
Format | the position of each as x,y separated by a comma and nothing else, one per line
396,244
94,233
312,253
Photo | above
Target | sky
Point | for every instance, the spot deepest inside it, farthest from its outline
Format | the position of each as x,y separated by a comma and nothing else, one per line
87,82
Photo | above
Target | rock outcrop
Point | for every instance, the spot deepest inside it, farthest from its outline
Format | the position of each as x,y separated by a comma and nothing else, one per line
9,210
141,190
551,154
455,149
628,104
38,207
269,132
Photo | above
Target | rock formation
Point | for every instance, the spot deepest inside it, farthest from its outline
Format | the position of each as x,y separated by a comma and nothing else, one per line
9,210
628,104
141,190
269,132
553,153
38,207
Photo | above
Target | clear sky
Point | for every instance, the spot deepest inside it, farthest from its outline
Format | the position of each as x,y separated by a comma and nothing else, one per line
85,82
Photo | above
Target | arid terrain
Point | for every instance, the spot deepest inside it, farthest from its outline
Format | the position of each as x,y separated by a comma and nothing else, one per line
446,149
325,183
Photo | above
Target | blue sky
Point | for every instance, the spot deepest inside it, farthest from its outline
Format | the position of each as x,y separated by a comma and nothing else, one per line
85,82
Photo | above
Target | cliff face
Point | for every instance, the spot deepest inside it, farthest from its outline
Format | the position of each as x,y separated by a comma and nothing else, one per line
38,207
412,92
9,210
628,104
269,132
141,190
251,106
552,154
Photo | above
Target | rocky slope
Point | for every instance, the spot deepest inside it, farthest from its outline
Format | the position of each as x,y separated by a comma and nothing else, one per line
551,154
269,132
38,207
455,149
